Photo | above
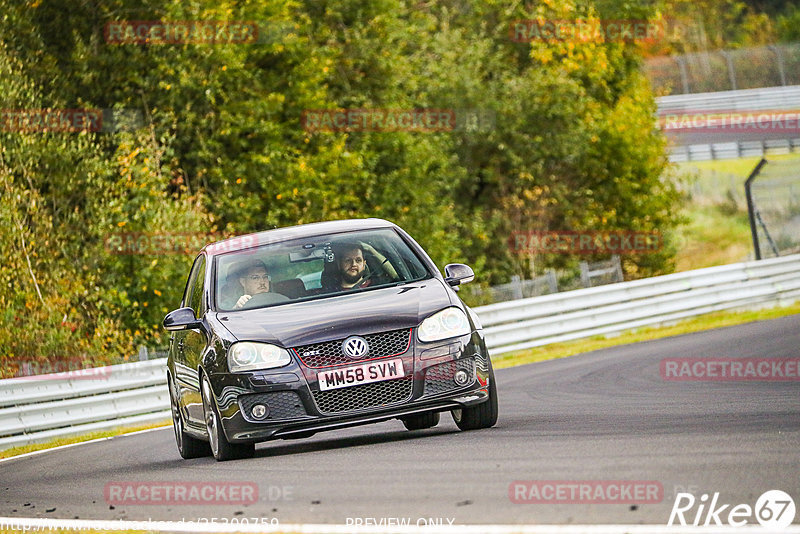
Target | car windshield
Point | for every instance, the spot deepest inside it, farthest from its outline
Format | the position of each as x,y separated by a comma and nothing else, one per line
314,267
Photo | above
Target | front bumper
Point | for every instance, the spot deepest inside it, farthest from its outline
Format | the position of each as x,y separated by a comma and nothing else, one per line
295,406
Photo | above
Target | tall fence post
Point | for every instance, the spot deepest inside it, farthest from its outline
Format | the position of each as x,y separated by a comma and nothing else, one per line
751,209
684,74
731,71
781,66
758,69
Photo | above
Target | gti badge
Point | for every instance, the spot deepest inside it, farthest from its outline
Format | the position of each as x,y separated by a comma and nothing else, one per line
355,347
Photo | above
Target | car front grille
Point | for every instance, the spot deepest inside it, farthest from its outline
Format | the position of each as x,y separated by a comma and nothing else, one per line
373,395
439,378
282,405
329,353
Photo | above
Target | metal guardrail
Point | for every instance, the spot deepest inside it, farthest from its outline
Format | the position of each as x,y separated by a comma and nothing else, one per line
43,407
615,308
35,409
766,99
745,100
733,150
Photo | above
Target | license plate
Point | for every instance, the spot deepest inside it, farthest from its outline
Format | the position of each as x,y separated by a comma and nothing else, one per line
360,374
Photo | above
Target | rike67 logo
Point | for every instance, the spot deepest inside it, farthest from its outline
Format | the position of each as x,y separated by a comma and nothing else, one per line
773,509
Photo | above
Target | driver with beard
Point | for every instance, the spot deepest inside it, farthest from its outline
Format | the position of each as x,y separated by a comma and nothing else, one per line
353,271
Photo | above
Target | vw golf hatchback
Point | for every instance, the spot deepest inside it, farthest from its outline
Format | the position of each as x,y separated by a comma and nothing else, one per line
289,332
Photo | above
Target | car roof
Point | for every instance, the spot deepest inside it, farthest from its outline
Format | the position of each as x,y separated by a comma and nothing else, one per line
277,235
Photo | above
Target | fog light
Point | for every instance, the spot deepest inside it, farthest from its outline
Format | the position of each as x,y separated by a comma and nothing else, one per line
260,411
461,377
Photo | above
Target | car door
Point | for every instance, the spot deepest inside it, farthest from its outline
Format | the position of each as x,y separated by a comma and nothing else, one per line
189,345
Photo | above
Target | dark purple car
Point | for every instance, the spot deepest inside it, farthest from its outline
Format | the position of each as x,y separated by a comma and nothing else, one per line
289,332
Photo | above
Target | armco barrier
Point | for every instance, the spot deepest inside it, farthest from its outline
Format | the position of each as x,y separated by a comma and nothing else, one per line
744,100
614,308
763,99
34,410
41,408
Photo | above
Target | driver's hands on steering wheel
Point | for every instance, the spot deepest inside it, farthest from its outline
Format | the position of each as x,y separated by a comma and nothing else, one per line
242,301
385,264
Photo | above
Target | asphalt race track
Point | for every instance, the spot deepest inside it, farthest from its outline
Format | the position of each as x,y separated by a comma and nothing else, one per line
606,415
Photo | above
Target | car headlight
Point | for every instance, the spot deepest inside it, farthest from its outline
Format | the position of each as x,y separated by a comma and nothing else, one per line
248,356
450,322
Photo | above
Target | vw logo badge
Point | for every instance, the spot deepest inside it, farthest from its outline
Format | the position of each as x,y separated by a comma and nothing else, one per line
355,347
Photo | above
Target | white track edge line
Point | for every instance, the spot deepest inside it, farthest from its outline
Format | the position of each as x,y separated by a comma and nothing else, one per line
68,445
33,524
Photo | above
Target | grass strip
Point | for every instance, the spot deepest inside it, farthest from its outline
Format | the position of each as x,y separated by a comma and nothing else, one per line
69,440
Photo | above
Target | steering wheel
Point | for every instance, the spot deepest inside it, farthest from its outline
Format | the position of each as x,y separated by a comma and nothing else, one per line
265,299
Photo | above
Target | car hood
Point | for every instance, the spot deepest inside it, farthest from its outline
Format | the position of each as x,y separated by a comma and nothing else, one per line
324,319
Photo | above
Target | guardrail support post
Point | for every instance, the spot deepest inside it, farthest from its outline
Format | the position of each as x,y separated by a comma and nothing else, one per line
516,287
551,280
617,266
586,281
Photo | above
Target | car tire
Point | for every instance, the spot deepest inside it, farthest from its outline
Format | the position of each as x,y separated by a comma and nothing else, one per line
221,448
421,421
189,447
484,415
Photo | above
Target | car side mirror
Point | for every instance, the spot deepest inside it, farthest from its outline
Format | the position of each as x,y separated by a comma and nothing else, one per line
181,319
458,273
